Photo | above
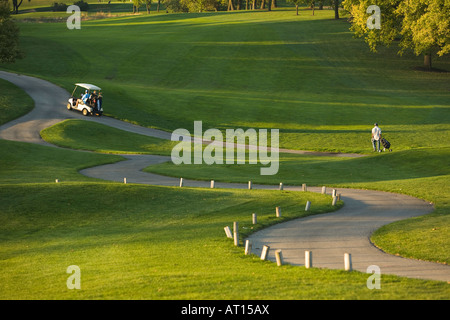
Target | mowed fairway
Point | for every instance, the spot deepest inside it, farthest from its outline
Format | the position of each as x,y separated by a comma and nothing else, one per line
303,75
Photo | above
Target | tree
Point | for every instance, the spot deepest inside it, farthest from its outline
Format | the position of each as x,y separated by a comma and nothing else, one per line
230,5
16,5
421,25
136,5
298,2
9,35
199,5
426,27
336,9
148,4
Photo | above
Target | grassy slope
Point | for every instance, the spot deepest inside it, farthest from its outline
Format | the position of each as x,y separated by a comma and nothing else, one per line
13,102
79,134
419,173
304,75
146,249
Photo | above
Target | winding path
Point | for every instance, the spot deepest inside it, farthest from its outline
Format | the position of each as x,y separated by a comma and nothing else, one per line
328,236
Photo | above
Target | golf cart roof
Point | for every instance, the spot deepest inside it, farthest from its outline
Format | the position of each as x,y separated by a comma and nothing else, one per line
88,86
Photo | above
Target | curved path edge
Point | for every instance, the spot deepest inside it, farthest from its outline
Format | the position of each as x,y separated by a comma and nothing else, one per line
328,236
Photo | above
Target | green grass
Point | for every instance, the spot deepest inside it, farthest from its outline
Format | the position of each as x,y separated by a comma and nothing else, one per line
13,102
86,135
130,244
304,75
419,173
24,163
46,5
319,170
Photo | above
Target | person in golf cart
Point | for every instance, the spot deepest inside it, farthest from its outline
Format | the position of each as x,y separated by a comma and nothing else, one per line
96,100
89,102
99,101
93,100
86,97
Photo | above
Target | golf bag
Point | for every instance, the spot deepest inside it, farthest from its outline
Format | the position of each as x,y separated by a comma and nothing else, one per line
386,144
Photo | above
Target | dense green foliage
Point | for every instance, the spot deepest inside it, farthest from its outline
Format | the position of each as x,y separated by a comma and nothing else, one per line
9,35
422,26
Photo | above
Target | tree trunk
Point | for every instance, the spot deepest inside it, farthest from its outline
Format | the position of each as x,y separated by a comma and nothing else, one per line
427,60
336,9
157,8
230,5
296,6
263,4
254,5
16,6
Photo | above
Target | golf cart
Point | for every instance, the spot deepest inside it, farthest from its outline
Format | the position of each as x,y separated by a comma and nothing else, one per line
89,101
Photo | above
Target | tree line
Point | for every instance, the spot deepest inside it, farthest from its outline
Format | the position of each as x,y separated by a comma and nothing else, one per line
232,5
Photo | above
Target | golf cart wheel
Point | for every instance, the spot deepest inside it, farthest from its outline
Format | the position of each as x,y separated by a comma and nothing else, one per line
69,106
85,112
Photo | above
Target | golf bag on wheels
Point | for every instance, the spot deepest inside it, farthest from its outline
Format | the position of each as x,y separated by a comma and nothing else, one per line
386,144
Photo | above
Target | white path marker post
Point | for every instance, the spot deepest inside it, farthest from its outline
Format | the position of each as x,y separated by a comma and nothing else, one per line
254,218
304,188
278,212
248,247
281,185
249,185
228,232
324,190
308,259
279,257
334,193
265,252
57,181
236,233
125,180
347,262
181,182
333,203
308,205
212,184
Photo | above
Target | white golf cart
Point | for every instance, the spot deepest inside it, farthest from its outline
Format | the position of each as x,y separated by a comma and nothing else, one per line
89,101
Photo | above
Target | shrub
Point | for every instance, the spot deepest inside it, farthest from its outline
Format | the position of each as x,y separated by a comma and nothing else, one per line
59,6
84,6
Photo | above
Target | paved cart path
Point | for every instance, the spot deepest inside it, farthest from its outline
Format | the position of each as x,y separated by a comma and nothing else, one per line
328,236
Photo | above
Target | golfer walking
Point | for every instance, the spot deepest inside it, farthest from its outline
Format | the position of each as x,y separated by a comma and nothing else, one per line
376,137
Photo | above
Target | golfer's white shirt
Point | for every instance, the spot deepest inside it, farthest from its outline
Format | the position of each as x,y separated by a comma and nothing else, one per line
376,132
